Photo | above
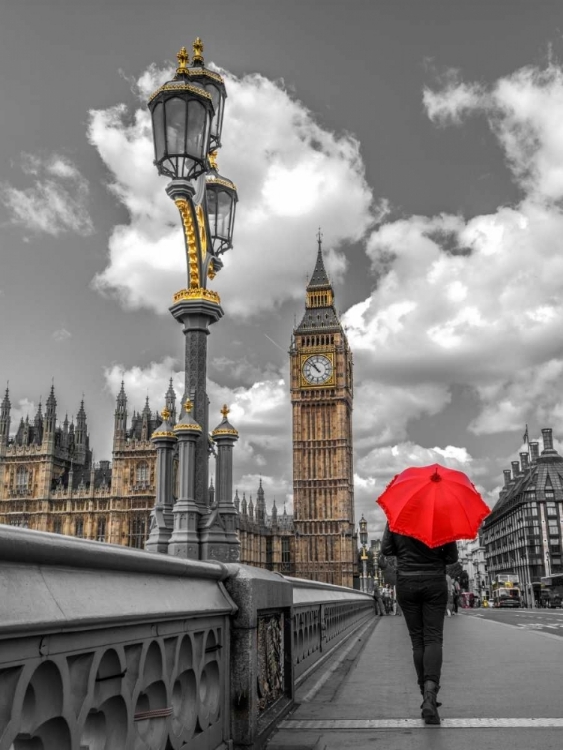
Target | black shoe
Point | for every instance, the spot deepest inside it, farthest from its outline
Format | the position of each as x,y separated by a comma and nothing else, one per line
429,704
438,704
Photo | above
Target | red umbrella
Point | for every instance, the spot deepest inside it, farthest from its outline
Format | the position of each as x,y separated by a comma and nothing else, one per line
433,504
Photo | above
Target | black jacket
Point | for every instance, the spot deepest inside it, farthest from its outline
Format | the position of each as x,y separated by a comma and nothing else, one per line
414,557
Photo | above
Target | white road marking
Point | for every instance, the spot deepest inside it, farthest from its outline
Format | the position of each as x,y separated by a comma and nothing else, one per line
327,724
531,627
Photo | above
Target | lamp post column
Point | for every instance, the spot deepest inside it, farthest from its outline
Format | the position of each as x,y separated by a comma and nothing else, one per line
364,570
196,315
187,119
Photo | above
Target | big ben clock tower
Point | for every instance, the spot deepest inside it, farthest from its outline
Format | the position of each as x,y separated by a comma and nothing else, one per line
323,476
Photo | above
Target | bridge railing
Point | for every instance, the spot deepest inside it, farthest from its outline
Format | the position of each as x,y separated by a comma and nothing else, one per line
105,647
323,616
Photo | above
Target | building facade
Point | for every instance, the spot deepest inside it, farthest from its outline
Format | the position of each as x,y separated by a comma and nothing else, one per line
523,534
267,540
472,559
49,482
323,480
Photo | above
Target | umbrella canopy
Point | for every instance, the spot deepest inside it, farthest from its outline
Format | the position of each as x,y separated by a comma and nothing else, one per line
433,504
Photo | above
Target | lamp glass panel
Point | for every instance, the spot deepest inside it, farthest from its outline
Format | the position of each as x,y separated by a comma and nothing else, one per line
224,203
232,218
197,130
158,130
216,98
175,126
212,211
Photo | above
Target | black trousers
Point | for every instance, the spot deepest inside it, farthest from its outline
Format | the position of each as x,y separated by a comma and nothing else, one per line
423,601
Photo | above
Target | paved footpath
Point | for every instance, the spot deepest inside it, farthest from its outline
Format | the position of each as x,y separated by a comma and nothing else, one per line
502,687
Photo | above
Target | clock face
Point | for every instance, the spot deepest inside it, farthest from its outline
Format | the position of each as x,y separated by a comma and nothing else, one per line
317,369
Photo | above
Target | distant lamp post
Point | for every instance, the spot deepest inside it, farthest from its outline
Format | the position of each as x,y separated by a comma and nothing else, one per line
187,120
364,557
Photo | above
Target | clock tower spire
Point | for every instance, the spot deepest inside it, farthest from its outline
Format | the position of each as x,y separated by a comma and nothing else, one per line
321,397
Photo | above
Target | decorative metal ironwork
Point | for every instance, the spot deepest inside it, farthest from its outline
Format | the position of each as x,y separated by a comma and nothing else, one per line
270,660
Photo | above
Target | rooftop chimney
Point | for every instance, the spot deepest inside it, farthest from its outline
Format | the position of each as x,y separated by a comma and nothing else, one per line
506,473
547,440
534,451
515,468
524,461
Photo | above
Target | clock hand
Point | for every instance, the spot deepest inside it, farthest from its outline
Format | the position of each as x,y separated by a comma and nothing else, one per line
315,366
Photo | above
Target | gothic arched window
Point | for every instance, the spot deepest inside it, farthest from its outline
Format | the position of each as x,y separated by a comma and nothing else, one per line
101,530
79,528
142,473
137,531
22,478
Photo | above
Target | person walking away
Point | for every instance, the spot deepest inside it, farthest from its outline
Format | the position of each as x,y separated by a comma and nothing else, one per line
450,600
422,592
379,608
456,596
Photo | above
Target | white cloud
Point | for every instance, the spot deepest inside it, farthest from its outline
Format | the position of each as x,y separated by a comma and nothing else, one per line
382,411
291,175
524,110
478,301
454,99
61,334
20,410
56,203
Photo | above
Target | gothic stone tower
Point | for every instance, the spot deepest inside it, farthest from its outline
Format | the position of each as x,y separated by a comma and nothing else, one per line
323,479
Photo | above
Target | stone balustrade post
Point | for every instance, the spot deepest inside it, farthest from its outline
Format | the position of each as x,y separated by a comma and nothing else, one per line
162,518
261,653
184,541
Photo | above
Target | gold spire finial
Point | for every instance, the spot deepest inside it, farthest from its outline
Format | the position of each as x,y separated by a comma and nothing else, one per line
188,406
198,50
224,411
213,160
165,414
183,59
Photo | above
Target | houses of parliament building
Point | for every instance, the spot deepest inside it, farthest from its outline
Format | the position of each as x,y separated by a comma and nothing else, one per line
49,481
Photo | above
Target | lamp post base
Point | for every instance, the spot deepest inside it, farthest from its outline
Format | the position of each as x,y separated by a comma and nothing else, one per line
162,524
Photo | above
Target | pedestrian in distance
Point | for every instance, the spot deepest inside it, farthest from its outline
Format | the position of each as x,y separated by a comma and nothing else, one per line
456,596
450,599
379,608
428,508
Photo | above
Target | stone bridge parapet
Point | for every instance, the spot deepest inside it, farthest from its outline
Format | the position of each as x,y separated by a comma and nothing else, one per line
108,648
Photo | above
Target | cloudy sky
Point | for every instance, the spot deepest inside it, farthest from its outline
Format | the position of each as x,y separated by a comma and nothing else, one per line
425,138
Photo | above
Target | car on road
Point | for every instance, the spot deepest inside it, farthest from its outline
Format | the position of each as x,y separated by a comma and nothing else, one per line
507,602
555,602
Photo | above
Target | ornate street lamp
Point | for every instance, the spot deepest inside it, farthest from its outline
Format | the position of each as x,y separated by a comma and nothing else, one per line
187,120
363,531
213,83
181,111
